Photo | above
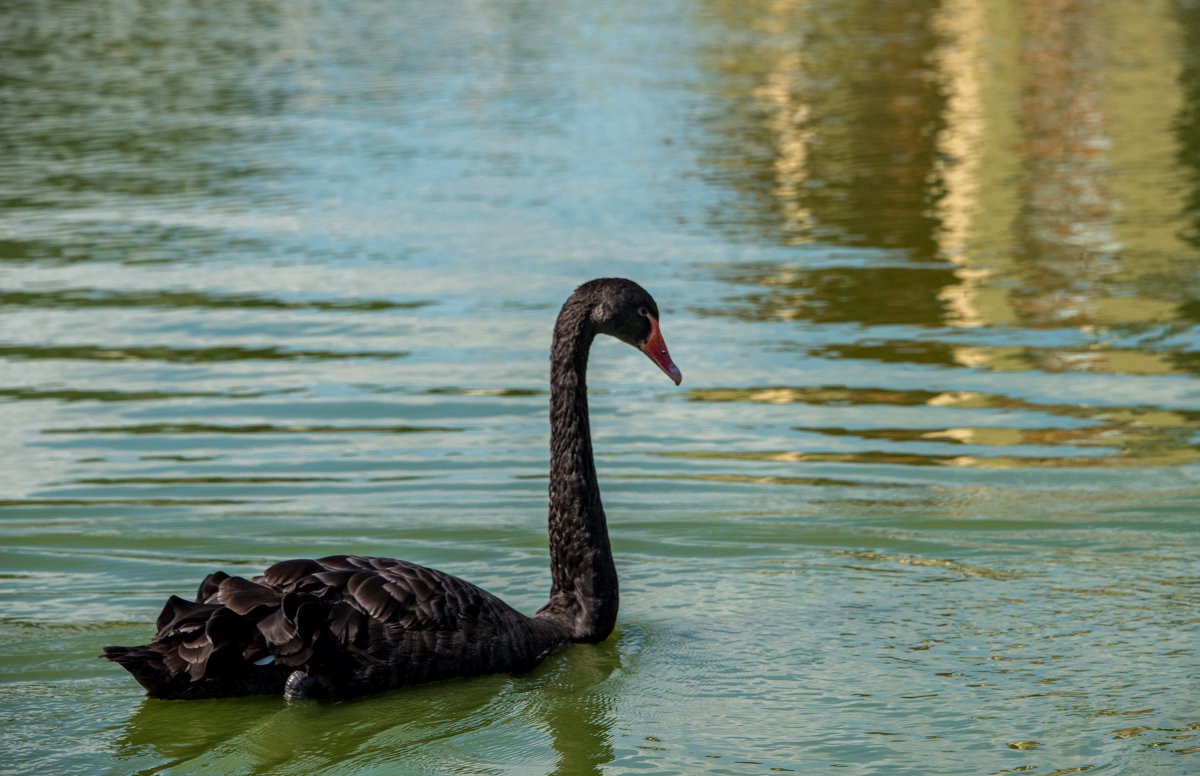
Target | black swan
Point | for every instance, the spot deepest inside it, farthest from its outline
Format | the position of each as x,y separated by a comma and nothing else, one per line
345,625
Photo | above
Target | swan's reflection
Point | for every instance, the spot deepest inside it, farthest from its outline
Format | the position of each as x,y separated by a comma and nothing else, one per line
493,723
577,702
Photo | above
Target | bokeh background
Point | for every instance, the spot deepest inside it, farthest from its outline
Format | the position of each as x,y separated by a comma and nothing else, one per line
278,279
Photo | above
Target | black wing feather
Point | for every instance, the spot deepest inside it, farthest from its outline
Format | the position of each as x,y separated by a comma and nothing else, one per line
354,624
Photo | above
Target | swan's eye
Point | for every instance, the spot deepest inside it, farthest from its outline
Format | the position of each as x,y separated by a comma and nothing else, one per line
642,311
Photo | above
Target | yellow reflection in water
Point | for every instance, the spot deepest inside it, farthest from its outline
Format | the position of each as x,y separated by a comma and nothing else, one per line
1033,146
1126,436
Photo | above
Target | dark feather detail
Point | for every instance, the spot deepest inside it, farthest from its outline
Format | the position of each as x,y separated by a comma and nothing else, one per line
353,625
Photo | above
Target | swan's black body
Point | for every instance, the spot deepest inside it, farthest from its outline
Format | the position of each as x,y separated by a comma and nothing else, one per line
344,625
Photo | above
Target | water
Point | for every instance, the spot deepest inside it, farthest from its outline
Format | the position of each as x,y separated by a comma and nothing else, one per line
278,280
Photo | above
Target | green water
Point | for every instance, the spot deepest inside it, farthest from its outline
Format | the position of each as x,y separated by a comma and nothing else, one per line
278,280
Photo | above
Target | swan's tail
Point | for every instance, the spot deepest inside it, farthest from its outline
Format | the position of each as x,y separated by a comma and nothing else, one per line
149,669
248,643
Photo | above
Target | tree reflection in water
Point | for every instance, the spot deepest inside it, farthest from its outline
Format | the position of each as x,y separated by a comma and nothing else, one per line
972,188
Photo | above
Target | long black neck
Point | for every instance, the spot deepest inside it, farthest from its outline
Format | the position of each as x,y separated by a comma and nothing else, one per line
583,593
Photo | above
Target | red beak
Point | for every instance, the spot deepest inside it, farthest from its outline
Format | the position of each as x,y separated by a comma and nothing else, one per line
657,350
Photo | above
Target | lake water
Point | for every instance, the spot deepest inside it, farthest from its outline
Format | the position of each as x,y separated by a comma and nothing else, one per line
279,280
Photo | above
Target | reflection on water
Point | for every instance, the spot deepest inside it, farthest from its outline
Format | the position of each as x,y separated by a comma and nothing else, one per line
279,281
990,184
1066,222
1087,436
976,161
456,727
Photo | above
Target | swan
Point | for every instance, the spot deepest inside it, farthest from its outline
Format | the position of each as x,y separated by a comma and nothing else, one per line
345,626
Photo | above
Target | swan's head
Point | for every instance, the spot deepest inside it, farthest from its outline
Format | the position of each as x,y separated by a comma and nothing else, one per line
623,309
